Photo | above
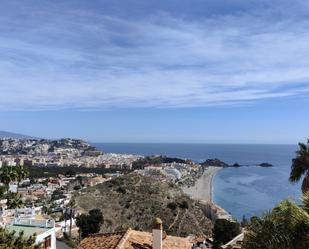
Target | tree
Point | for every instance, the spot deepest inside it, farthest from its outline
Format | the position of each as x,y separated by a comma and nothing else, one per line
306,201
2,191
90,223
14,200
224,231
285,227
244,221
8,174
69,214
16,173
300,166
57,194
21,174
9,240
70,173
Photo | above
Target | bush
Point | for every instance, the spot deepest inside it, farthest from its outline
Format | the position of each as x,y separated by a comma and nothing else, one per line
121,190
224,231
70,173
57,194
90,223
184,205
172,205
77,187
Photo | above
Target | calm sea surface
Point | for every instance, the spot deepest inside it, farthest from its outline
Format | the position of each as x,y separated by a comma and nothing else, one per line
242,191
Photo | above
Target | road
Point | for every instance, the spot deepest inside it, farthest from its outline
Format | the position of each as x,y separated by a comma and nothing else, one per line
61,245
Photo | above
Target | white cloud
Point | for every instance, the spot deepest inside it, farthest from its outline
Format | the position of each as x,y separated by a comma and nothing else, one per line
90,60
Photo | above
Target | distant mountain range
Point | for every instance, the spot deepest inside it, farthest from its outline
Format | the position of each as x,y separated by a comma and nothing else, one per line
5,134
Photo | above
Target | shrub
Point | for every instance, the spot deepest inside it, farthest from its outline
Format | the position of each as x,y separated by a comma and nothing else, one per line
224,231
90,223
121,190
172,205
184,205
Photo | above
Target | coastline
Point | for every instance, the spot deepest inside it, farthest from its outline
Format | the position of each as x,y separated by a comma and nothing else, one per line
203,188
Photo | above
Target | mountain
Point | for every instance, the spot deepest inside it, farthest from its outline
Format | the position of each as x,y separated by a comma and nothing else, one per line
6,134
134,201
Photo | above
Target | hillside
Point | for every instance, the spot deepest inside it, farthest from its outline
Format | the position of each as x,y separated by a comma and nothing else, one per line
44,146
5,134
133,201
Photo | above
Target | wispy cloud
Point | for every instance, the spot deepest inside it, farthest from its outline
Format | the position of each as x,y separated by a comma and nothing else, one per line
59,58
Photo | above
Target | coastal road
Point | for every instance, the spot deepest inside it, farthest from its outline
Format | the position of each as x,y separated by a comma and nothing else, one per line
203,187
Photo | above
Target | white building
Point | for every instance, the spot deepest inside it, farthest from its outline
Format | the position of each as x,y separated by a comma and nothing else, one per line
175,173
44,230
13,187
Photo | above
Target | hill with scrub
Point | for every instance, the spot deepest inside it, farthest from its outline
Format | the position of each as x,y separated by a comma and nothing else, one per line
133,201
6,134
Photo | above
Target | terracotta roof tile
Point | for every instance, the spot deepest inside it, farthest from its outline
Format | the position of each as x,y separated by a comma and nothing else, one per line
143,240
101,241
131,239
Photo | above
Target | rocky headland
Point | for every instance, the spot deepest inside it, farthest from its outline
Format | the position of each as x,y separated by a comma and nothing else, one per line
218,163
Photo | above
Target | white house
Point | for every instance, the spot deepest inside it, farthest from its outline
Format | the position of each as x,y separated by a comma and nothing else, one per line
44,230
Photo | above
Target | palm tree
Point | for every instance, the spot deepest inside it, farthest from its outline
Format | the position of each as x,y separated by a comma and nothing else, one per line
306,201
5,175
71,205
285,227
8,175
14,200
21,173
300,166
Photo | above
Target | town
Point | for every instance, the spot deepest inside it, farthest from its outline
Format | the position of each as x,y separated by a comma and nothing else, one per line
40,203
58,153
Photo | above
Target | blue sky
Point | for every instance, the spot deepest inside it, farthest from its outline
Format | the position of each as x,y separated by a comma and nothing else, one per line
156,71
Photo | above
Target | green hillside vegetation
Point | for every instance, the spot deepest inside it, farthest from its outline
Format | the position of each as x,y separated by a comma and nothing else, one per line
134,200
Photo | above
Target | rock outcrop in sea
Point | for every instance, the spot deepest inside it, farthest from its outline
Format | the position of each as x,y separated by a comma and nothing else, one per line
266,165
215,162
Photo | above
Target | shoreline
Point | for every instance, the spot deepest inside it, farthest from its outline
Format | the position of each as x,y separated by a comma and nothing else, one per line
212,184
203,188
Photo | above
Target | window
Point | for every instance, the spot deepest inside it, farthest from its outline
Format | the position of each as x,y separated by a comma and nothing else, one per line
47,242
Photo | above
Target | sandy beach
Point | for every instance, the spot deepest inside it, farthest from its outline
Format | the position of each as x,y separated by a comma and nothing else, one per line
203,186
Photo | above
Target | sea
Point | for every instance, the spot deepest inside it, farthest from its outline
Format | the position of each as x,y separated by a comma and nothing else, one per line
245,191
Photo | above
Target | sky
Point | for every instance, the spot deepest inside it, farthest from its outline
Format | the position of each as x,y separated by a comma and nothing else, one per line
206,71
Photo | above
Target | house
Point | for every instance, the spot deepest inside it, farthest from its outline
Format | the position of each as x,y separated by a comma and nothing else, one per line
28,213
44,230
132,239
39,193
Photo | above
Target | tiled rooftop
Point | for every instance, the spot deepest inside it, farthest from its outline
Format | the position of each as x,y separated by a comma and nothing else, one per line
143,240
101,241
131,239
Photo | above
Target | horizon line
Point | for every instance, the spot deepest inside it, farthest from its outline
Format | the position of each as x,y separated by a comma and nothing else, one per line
202,143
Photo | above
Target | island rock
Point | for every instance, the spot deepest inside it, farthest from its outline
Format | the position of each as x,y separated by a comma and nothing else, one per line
265,165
